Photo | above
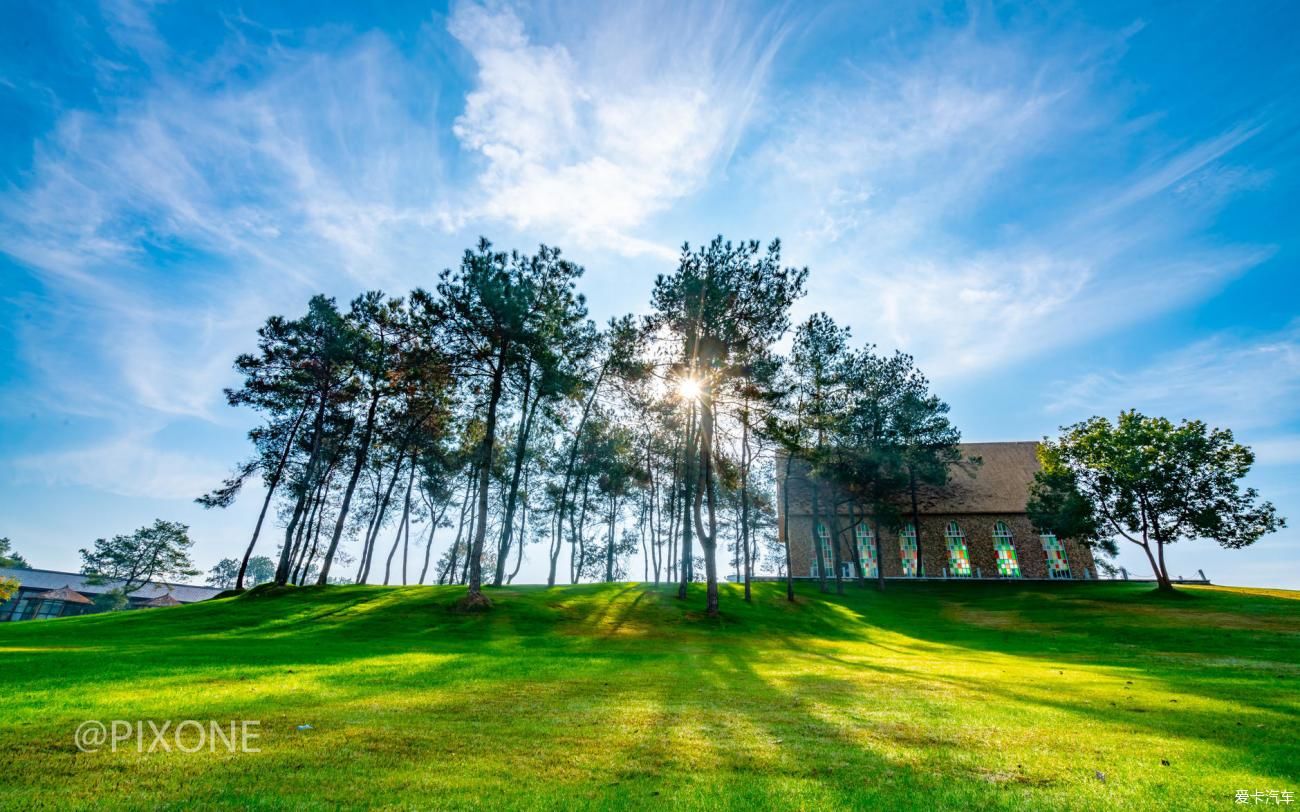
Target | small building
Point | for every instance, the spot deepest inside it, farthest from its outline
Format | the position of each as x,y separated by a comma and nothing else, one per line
974,527
49,594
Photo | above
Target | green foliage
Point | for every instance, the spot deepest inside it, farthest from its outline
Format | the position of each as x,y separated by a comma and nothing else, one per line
158,552
8,587
1151,482
224,573
11,559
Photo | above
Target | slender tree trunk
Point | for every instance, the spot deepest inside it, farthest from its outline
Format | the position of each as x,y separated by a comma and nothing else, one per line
523,532
709,536
379,522
609,546
817,540
562,503
744,500
475,594
916,520
404,524
270,491
836,556
428,544
785,520
309,476
521,449
880,560
363,450
687,566
580,540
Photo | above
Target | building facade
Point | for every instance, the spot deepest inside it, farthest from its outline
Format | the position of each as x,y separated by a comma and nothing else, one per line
975,527
48,594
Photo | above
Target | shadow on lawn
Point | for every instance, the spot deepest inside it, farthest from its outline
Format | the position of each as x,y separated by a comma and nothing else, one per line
681,690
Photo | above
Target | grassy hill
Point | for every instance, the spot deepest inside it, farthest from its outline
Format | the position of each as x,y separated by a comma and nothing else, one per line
1069,696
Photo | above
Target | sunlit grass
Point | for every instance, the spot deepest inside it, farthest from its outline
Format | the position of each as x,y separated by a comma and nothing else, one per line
957,696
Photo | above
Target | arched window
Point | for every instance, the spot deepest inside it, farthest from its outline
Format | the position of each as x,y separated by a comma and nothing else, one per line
824,539
1058,566
867,550
958,555
907,549
1008,565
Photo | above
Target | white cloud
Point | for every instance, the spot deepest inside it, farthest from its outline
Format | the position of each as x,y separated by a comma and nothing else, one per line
127,466
592,143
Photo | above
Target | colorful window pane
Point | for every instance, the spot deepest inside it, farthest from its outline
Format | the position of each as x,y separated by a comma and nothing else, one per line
1058,566
867,550
958,555
824,538
1008,565
907,548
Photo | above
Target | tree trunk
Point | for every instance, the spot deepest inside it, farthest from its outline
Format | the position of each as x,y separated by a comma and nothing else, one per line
709,537
523,532
433,528
785,522
562,503
404,524
379,523
880,561
916,520
521,448
744,499
309,475
686,571
475,596
367,434
270,491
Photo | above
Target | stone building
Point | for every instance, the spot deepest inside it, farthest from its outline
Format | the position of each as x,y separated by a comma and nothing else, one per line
976,526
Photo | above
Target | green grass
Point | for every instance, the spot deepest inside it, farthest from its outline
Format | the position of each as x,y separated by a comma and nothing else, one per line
970,696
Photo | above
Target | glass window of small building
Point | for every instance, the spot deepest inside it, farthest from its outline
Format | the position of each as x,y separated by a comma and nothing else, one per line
958,555
907,549
1008,565
824,539
1058,565
867,550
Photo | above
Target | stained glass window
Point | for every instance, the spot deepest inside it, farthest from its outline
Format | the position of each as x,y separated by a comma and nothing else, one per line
824,537
1058,566
958,555
907,547
867,550
1008,566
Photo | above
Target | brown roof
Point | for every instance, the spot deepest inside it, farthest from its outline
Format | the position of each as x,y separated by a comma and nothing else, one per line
999,485
162,600
65,593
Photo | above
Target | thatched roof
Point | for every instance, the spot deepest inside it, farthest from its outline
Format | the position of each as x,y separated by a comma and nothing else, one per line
162,600
999,485
64,593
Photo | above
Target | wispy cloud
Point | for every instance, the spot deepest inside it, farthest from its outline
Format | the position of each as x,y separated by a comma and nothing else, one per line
1250,384
129,465
915,185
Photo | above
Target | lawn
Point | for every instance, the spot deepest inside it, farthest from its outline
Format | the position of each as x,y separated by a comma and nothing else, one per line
964,695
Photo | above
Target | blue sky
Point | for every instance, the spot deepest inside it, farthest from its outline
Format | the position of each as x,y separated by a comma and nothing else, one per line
1060,210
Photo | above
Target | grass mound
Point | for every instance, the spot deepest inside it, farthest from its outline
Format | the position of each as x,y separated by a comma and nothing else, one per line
1067,696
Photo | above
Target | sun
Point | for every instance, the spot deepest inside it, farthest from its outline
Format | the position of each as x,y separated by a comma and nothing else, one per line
688,388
